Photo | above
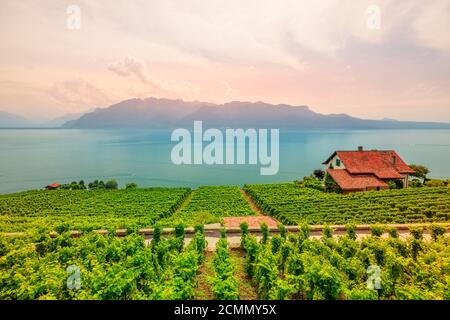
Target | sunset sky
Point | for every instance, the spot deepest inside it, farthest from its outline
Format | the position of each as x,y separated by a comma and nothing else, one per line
319,53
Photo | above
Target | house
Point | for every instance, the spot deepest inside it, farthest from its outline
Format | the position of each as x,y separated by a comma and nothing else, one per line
362,170
52,186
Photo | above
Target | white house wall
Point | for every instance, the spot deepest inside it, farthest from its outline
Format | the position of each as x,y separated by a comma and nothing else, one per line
333,162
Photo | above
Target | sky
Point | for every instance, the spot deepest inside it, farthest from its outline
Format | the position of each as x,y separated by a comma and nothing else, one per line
370,59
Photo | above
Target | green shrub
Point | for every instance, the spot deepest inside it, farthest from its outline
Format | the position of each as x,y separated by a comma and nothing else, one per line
351,231
111,185
225,283
415,184
309,182
131,186
275,243
416,232
437,231
223,233
305,231
331,185
157,231
179,231
395,183
199,228
282,229
244,233
393,232
327,232
376,231
435,183
63,227
265,232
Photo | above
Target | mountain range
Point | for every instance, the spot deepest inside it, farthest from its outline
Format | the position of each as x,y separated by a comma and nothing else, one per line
166,113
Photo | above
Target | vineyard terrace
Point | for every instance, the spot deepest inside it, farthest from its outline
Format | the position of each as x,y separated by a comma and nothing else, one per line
220,152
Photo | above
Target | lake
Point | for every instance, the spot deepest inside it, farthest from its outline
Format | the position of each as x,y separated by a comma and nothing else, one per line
33,158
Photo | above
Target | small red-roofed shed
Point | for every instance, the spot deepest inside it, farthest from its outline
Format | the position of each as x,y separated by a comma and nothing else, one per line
53,186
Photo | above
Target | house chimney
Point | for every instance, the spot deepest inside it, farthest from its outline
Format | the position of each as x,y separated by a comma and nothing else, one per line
360,148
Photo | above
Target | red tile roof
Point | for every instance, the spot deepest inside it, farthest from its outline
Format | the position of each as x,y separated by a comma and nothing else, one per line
54,185
347,181
377,162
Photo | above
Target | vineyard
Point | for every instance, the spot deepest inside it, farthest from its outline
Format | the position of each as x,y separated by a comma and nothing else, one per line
34,265
297,267
209,204
99,267
292,205
88,210
284,266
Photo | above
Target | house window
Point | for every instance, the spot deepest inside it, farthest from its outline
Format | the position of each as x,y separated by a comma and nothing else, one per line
338,162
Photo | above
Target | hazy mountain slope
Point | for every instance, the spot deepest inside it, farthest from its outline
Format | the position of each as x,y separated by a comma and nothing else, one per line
165,113
9,120
59,121
150,112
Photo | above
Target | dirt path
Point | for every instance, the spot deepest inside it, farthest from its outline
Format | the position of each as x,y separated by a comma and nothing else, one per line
204,278
185,202
252,203
206,275
246,289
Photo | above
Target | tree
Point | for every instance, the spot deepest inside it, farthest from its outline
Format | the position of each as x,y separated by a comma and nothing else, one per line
82,185
131,186
319,174
93,185
111,185
74,186
419,171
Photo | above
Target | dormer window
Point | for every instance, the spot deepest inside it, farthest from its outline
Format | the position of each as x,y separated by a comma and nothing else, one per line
338,162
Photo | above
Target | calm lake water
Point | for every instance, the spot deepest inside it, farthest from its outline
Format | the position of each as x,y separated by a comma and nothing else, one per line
31,159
